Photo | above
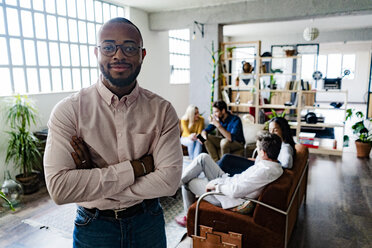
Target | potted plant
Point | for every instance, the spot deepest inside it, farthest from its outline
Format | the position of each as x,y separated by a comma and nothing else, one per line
23,146
362,129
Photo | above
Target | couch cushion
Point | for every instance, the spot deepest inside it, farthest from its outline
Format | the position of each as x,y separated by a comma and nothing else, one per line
251,131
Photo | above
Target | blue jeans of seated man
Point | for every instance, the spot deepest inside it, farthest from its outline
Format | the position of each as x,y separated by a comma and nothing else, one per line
233,164
143,230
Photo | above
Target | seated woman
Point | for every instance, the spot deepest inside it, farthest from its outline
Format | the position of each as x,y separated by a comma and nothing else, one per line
249,183
192,124
232,164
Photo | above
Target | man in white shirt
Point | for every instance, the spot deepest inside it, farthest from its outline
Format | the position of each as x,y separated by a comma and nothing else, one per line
246,184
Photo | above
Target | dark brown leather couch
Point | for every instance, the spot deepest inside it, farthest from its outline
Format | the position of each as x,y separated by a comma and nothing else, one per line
265,227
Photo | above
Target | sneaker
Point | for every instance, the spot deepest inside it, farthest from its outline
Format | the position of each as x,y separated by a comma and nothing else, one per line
181,220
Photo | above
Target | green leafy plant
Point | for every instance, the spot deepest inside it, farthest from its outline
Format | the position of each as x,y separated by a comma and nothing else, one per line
216,55
276,114
273,115
362,129
2,196
23,146
230,50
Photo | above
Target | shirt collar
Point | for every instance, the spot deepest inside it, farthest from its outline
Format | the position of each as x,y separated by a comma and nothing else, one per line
111,98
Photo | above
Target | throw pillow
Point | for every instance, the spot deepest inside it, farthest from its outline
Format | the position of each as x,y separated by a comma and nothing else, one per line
251,131
246,207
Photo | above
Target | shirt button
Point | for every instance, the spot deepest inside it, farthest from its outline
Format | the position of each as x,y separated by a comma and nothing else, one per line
119,134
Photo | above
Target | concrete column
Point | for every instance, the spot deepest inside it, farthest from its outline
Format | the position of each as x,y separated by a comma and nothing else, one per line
201,67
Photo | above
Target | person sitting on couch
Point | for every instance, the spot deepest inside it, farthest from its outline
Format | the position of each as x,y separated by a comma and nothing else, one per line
249,183
229,126
192,123
278,125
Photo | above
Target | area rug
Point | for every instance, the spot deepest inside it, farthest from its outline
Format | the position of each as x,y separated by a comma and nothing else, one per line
60,219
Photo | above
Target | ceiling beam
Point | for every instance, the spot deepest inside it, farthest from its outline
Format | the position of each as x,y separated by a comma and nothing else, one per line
258,11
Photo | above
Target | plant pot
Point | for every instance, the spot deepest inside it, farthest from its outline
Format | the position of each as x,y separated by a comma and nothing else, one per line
30,184
363,149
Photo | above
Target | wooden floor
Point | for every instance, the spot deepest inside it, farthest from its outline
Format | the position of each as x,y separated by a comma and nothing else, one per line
338,211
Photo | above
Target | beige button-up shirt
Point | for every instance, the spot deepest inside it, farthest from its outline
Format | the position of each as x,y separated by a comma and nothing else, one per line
116,131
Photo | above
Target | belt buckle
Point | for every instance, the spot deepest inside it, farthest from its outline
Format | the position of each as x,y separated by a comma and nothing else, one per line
116,212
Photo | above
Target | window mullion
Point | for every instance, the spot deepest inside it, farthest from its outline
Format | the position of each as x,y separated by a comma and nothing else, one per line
86,31
59,52
36,49
8,48
22,46
47,42
79,48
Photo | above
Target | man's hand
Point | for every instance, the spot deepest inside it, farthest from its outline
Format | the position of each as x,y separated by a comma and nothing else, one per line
81,156
210,187
143,166
215,121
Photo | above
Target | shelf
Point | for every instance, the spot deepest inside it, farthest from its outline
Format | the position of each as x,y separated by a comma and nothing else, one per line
241,105
326,147
240,87
322,107
303,100
245,58
279,74
275,106
279,91
282,57
304,124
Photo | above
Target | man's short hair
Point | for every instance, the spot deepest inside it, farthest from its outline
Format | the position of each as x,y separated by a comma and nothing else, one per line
271,144
220,105
124,20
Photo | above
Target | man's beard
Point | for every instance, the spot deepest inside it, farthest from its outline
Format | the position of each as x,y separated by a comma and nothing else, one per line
120,82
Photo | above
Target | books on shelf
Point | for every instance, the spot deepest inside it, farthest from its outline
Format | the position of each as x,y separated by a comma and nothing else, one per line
314,145
307,139
305,135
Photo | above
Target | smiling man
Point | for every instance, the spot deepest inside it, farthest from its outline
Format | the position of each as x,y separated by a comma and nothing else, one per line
113,148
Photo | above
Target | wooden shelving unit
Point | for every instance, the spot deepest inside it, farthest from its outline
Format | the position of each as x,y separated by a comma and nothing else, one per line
250,95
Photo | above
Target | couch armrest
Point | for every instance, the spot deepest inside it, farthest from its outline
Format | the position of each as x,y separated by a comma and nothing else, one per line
246,198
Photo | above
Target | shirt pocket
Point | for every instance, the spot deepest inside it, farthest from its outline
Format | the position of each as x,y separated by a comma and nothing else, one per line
143,143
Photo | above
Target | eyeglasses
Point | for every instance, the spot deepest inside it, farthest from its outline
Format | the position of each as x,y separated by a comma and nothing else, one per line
110,49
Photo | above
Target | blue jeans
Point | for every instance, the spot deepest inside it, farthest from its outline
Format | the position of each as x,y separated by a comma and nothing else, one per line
233,164
194,148
146,229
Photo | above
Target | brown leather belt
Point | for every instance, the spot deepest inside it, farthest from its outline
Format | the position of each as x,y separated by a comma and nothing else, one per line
124,213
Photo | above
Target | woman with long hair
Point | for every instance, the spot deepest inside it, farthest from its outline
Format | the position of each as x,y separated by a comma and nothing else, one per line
192,123
233,164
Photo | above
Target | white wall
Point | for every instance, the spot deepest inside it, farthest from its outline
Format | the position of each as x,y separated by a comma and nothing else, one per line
155,69
154,76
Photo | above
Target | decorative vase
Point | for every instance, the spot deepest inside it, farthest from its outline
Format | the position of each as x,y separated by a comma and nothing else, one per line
363,149
30,184
13,191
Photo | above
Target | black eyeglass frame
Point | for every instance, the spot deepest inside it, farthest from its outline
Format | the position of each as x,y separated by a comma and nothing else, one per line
122,46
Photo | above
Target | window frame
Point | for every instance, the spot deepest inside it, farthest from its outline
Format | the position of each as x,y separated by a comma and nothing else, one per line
88,71
178,53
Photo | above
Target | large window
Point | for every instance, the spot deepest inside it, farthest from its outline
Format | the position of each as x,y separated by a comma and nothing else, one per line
334,65
179,56
48,45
